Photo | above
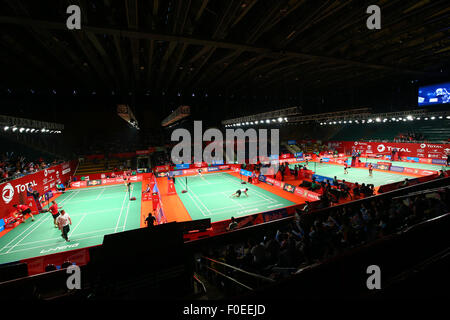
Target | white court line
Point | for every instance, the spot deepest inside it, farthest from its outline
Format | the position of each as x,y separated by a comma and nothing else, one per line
201,202
68,198
59,238
233,200
99,235
72,231
254,190
43,220
118,220
195,202
128,208
100,194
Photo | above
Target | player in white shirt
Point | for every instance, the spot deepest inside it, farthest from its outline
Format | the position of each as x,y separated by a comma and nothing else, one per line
239,192
63,222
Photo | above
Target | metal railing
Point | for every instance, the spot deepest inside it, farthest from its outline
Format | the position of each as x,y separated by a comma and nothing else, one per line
232,278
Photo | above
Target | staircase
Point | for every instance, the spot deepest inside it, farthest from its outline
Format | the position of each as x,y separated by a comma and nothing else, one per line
98,166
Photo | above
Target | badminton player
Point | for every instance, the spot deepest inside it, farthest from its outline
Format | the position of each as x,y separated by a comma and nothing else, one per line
370,170
345,168
54,210
239,192
199,172
23,211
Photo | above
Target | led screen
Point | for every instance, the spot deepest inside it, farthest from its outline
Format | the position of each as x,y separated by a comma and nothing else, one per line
435,94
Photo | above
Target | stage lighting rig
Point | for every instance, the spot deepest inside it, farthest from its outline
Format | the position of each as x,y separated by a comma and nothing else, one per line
124,111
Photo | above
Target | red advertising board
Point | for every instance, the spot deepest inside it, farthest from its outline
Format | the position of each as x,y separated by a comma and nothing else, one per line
417,150
14,191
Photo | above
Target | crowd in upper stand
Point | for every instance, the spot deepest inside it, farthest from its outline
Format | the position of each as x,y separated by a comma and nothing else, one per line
308,239
14,165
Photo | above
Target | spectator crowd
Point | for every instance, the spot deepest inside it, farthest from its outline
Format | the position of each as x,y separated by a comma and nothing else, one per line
14,165
311,238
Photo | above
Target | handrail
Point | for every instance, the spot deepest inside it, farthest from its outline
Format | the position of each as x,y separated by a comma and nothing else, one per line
421,192
240,270
229,278
196,279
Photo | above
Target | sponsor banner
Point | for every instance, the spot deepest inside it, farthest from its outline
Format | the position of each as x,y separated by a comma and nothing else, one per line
161,174
291,142
224,167
274,157
141,152
274,182
262,178
246,173
300,159
325,159
91,183
162,168
217,162
415,150
438,161
322,178
414,159
382,166
288,188
198,164
286,155
397,169
210,169
182,166
306,194
298,154
175,173
423,160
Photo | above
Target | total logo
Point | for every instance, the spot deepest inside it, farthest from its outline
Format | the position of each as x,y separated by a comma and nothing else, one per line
8,193
45,172
382,147
423,146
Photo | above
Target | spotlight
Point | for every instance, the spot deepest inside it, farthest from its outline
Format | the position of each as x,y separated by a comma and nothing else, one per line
14,129
43,130
267,121
432,118
32,130
280,119
378,120
21,130
27,130
6,128
351,121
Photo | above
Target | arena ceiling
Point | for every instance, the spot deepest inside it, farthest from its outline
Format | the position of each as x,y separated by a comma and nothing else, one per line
185,46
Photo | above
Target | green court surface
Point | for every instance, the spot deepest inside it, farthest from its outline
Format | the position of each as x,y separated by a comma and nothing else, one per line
95,211
415,165
360,175
209,196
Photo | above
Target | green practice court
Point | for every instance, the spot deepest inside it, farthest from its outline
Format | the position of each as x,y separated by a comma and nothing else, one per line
360,175
415,165
95,211
209,196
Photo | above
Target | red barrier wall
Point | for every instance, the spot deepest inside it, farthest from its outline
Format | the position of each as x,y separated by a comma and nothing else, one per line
418,150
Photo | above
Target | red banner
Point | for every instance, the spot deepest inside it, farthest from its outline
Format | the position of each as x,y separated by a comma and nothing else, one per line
417,150
14,191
